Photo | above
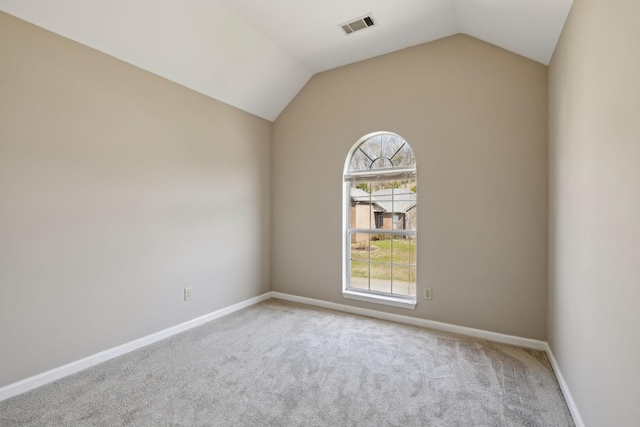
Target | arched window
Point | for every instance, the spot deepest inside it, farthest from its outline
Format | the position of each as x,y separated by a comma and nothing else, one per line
380,221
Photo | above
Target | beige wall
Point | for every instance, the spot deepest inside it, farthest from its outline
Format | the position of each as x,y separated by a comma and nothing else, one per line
476,118
594,133
117,190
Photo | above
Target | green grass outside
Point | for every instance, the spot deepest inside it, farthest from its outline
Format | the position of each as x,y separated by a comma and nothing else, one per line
379,255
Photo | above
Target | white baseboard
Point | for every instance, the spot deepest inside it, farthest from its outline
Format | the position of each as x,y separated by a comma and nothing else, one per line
79,365
573,408
431,324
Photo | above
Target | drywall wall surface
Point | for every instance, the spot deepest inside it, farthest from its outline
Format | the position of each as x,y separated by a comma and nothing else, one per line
118,189
594,135
476,118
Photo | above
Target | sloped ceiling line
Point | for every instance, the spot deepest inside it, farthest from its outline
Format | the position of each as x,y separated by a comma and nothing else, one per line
257,55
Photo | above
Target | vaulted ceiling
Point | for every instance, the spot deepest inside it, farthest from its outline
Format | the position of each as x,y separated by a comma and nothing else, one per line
256,55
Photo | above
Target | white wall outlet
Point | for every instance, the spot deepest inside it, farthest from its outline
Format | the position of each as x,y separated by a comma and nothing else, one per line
427,293
187,294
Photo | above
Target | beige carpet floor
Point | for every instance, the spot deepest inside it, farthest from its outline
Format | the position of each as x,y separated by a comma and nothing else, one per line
286,364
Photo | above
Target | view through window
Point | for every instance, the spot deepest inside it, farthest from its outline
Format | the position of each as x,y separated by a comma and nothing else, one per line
381,213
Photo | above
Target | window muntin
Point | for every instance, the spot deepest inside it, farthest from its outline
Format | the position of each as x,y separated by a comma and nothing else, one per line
380,227
381,151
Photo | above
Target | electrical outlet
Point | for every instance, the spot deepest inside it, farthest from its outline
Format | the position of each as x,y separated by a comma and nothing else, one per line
187,294
427,293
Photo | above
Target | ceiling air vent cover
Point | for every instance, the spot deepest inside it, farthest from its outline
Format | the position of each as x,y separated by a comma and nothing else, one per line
358,24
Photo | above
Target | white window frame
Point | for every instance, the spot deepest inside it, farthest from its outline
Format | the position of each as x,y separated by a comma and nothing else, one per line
375,174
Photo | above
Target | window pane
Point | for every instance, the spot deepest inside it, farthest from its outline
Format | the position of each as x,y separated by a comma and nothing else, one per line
403,258
360,246
381,263
404,250
362,215
410,218
359,161
411,247
404,280
380,280
381,248
372,147
403,157
363,208
390,146
359,275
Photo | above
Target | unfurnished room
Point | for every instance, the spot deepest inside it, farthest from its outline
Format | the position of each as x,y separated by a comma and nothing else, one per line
320,213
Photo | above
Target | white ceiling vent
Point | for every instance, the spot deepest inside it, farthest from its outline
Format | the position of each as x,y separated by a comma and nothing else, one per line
358,24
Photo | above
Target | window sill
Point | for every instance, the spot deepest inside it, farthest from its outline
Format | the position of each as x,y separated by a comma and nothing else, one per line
380,299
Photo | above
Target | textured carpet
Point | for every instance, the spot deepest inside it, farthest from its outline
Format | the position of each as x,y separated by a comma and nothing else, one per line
285,364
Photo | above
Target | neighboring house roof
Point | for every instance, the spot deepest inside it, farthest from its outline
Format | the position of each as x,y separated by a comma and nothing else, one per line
360,196
386,200
395,199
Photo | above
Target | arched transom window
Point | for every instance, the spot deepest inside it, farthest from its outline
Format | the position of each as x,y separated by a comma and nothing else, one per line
380,218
